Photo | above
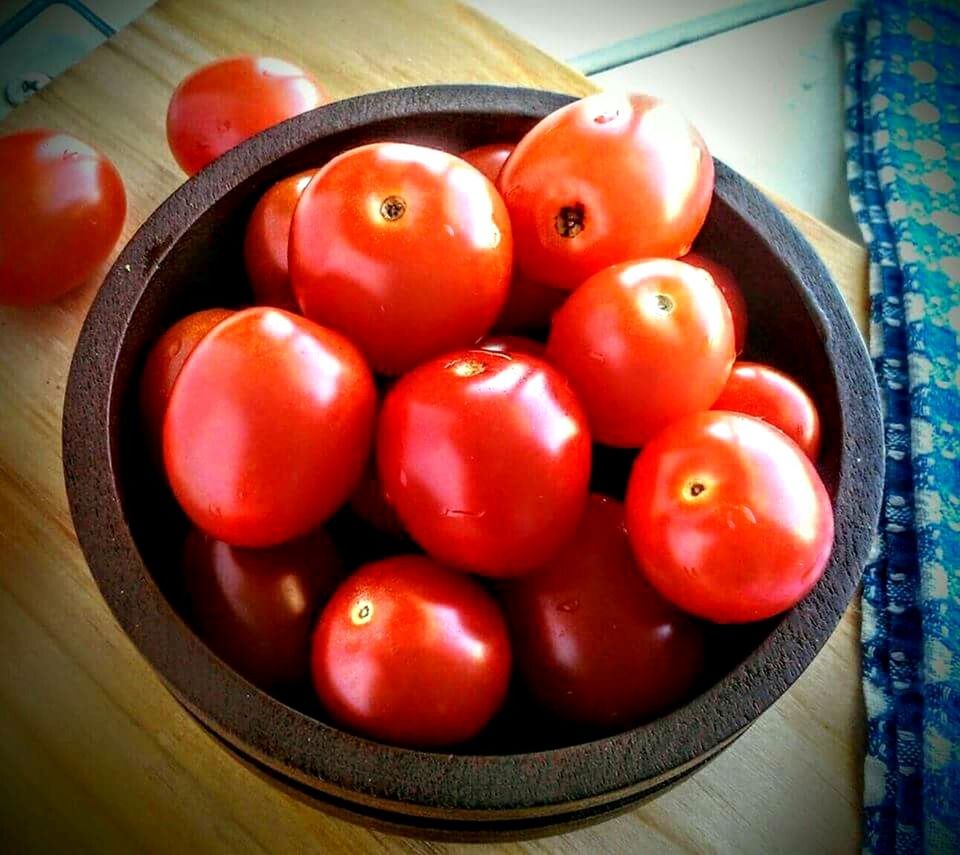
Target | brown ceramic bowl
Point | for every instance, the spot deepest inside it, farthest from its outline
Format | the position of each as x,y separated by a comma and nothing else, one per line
520,778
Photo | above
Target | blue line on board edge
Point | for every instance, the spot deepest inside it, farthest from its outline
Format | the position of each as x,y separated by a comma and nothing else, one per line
13,25
677,35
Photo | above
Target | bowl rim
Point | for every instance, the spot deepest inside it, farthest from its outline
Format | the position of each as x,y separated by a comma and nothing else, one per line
350,766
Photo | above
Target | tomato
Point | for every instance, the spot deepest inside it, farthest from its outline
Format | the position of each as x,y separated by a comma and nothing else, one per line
529,306
62,207
267,241
594,642
229,100
762,391
371,504
256,607
727,283
404,249
728,518
512,344
486,459
268,428
163,366
607,179
411,653
489,159
643,344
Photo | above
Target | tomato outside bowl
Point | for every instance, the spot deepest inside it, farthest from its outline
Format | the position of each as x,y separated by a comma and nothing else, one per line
522,778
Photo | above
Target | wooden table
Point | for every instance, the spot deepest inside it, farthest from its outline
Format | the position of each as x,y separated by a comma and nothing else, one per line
96,755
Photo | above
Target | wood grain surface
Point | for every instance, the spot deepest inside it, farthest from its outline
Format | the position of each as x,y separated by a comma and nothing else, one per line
95,754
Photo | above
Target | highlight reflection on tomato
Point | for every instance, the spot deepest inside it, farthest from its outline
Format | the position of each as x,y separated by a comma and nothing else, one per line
594,642
411,653
512,344
727,517
256,607
486,459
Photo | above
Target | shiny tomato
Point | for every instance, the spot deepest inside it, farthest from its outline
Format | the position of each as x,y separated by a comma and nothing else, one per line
486,459
489,159
267,241
728,518
594,642
62,207
643,344
411,653
512,344
256,607
404,249
762,391
370,503
163,366
223,103
727,283
268,427
607,179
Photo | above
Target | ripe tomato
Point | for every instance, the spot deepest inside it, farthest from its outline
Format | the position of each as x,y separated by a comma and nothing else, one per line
762,391
489,159
371,505
595,643
62,207
405,249
226,101
529,306
163,366
268,427
728,518
511,344
727,283
411,653
267,241
643,344
256,607
607,179
486,459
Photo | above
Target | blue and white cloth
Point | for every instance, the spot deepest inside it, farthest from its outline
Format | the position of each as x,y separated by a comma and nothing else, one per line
903,150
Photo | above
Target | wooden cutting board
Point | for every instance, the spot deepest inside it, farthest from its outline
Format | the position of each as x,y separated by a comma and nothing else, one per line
95,754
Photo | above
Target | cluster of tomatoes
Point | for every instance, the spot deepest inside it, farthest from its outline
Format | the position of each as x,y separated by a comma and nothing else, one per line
439,346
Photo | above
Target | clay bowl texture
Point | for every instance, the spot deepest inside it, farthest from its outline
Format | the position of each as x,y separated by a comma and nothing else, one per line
520,778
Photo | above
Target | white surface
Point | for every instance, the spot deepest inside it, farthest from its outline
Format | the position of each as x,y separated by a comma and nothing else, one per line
767,97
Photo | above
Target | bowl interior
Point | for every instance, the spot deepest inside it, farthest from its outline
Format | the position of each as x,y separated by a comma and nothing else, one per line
202,267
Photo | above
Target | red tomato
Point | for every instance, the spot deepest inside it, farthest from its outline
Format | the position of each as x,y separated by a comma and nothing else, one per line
223,103
486,459
256,607
607,179
371,505
727,283
762,391
405,249
411,653
643,344
594,642
512,344
267,241
268,428
62,207
163,366
529,306
489,159
728,518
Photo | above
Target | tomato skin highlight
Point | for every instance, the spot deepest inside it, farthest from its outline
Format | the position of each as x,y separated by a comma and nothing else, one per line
595,643
728,518
62,209
486,459
605,180
256,608
406,250
411,653
223,103
724,279
512,344
162,368
266,243
762,391
643,344
268,428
